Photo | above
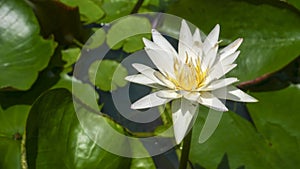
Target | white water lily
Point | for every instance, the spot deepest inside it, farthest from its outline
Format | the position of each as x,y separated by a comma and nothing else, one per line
194,75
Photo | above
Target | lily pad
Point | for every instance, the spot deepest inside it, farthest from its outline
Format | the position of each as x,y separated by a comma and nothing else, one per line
85,92
272,144
23,52
12,127
107,75
55,138
271,34
115,9
70,56
128,32
89,10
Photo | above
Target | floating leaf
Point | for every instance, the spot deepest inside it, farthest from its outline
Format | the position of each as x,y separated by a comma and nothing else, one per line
128,32
23,52
273,145
85,92
55,138
107,74
89,10
96,40
115,9
70,56
271,34
12,127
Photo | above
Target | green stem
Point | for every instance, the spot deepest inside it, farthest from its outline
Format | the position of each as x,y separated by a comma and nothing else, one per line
185,150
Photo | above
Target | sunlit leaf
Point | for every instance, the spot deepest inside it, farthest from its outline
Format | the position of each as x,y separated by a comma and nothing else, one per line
115,9
70,56
89,10
128,32
23,52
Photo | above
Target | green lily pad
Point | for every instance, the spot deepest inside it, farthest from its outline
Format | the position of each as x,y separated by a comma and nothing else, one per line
12,127
108,75
55,138
142,163
23,52
271,34
294,3
274,143
128,33
96,40
115,9
70,56
85,92
89,10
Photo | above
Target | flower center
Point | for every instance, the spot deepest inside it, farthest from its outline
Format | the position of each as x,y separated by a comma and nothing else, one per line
188,74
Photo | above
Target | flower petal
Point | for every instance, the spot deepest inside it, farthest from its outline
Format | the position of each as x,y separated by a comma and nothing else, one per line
160,58
219,83
219,70
197,37
192,96
150,100
185,41
211,123
164,80
168,94
230,58
233,93
183,113
209,100
162,42
211,39
147,71
209,58
231,48
140,79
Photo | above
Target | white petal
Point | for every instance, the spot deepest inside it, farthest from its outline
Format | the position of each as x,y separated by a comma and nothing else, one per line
211,123
140,79
209,58
233,93
183,112
230,58
197,37
192,96
218,71
211,39
150,100
185,41
164,80
197,45
161,60
209,100
151,45
168,94
231,48
162,42
219,83
147,71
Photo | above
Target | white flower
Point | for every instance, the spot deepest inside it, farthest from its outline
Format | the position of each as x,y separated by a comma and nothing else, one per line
195,74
